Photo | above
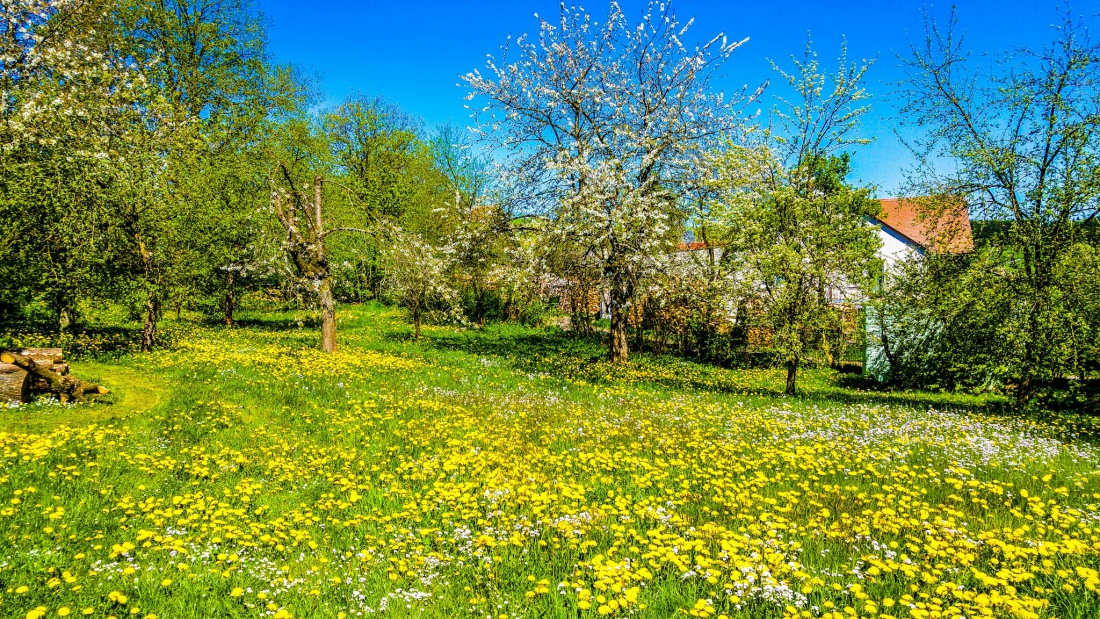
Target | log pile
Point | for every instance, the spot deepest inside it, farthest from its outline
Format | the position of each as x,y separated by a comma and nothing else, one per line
30,371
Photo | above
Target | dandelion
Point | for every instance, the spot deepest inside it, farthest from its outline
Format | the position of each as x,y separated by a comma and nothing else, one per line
447,476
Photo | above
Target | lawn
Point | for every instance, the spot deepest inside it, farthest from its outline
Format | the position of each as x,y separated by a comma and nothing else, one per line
509,472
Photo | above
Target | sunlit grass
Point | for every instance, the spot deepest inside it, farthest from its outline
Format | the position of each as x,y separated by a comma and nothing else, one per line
512,472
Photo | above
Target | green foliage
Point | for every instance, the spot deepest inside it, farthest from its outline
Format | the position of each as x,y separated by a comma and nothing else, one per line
799,237
806,255
382,157
938,321
950,321
1021,140
141,145
159,209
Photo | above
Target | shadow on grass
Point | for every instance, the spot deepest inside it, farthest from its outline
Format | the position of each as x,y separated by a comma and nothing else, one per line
556,353
914,399
274,323
521,346
402,336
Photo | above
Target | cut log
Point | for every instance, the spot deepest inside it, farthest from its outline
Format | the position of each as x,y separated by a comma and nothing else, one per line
65,387
48,356
17,386
35,384
14,385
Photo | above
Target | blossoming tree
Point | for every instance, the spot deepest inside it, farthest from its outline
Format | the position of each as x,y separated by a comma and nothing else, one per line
64,99
600,124
417,274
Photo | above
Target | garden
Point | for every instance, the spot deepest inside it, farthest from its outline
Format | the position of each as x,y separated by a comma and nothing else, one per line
513,472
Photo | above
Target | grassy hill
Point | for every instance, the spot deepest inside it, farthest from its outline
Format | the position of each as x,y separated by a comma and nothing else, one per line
510,472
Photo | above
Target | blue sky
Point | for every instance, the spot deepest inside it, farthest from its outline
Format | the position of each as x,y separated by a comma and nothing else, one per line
413,52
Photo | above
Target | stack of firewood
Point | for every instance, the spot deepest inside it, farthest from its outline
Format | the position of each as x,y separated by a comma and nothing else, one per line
27,372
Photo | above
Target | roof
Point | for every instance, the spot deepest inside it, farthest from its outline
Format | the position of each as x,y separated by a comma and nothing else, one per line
693,246
931,224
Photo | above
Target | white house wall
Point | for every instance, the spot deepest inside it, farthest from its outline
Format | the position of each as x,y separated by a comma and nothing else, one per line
894,249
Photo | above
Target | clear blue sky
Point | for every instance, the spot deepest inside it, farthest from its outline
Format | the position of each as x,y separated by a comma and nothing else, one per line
413,52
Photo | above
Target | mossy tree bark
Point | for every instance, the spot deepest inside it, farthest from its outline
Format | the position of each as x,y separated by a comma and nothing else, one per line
305,243
152,298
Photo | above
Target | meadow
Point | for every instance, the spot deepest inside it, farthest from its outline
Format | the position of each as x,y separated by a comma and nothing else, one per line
510,472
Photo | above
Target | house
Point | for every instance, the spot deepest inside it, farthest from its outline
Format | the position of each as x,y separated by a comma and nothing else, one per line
911,228
907,228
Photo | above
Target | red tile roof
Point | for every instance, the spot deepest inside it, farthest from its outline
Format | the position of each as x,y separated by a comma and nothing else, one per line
935,225
693,246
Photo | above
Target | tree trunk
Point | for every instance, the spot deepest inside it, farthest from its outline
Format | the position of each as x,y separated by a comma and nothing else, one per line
637,327
149,332
618,351
416,322
704,339
324,288
230,302
580,319
886,351
792,373
1023,391
328,314
619,301
64,319
479,305
306,246
1030,357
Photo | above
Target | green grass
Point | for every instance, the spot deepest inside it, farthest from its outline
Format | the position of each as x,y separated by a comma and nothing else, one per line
511,471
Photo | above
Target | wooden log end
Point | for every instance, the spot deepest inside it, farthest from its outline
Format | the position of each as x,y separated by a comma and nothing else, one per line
7,357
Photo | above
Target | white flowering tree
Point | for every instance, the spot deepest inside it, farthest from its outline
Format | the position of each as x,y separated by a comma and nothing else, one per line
601,125
59,77
67,105
418,273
